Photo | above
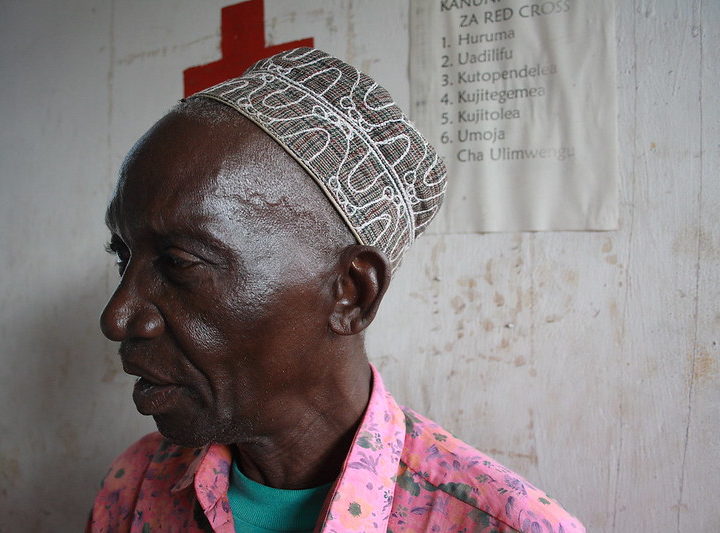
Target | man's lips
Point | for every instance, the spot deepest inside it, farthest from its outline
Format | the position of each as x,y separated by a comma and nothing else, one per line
130,367
152,395
152,398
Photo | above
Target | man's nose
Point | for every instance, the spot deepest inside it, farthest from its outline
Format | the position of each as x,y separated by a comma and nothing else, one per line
130,314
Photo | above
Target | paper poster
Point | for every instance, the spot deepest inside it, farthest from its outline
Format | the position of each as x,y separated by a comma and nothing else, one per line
519,97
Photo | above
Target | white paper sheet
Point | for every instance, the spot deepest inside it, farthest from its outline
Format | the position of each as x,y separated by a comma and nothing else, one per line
519,97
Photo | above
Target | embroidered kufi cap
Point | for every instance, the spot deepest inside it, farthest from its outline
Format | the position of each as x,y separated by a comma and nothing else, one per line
377,170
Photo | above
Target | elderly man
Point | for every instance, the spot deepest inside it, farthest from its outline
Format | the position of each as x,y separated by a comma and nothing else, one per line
256,228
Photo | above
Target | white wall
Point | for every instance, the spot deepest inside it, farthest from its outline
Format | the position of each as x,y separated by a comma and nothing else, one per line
587,361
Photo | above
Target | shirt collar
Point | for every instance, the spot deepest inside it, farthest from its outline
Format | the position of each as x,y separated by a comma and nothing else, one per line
187,478
361,498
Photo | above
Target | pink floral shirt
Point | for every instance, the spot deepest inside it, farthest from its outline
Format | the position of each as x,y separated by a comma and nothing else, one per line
403,473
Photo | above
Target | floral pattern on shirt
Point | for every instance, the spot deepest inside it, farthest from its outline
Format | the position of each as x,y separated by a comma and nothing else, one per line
404,473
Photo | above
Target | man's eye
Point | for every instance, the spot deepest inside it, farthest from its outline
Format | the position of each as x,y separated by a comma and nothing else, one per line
175,262
121,253
178,261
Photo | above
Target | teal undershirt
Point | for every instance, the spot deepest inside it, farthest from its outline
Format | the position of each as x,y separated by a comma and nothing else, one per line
258,508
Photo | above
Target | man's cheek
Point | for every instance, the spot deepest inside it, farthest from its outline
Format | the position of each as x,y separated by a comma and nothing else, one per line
200,334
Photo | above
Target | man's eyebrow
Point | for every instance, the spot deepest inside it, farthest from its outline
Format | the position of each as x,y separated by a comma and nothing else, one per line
193,236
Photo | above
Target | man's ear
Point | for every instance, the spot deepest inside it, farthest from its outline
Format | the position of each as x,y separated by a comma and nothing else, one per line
363,277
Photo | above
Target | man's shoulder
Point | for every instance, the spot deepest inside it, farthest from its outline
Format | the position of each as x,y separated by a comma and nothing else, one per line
435,460
145,482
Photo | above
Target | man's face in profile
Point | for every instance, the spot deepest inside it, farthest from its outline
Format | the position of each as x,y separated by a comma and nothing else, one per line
221,297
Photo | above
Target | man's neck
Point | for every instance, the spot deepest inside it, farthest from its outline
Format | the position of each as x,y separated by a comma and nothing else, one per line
310,451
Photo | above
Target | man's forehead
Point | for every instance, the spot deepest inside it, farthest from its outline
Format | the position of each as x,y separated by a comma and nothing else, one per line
187,151
190,171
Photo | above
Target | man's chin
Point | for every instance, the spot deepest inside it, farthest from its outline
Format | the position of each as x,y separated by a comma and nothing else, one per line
182,434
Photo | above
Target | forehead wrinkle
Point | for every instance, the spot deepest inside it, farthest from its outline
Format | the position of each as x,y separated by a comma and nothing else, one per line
257,181
294,209
257,173
272,225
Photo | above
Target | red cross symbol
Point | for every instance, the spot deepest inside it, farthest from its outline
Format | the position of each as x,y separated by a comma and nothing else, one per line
242,43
